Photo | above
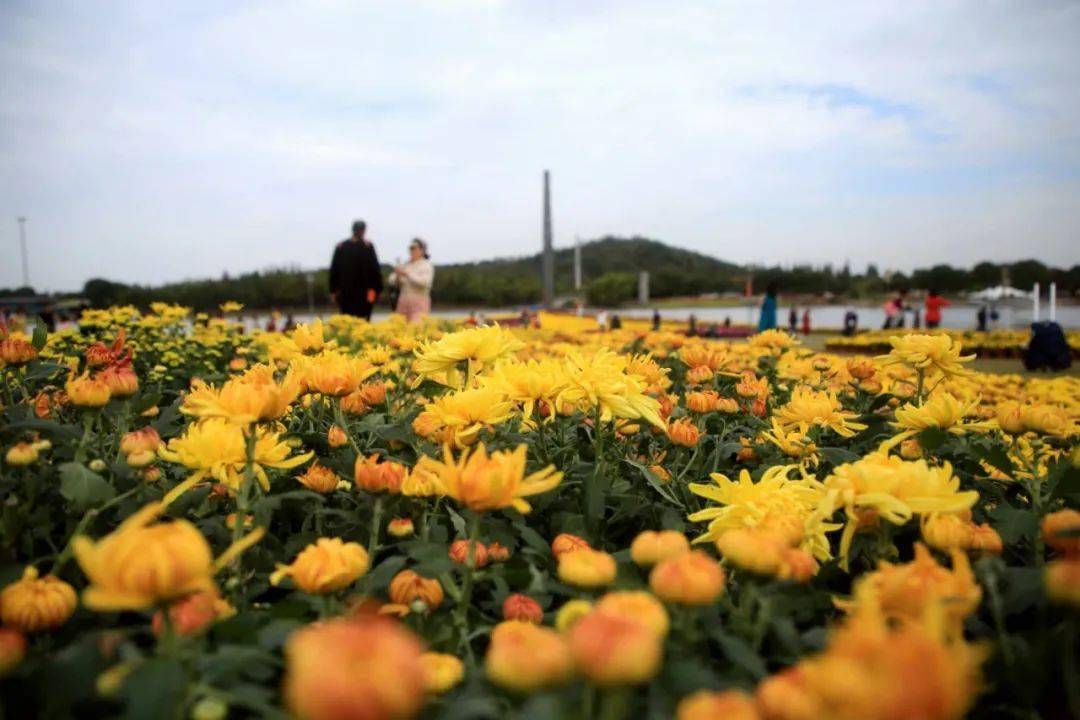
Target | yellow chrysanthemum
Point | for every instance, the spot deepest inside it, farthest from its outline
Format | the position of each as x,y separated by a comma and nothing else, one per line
309,338
808,407
942,410
773,341
459,417
466,350
918,590
216,448
332,372
649,372
927,353
526,383
140,564
482,481
792,442
896,489
600,381
797,508
256,396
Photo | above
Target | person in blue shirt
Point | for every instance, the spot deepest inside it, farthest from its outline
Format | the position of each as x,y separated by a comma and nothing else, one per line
767,318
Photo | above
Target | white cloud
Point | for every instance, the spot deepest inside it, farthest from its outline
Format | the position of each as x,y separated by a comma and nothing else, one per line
148,144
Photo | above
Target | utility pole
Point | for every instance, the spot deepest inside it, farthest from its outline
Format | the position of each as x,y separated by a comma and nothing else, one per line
548,259
311,293
643,287
577,263
22,247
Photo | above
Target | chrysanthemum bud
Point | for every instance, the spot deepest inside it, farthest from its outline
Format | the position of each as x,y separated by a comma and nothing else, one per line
34,604
693,578
459,553
587,568
650,547
400,527
336,437
522,607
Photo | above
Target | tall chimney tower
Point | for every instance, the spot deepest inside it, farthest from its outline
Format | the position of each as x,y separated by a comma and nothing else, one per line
577,263
548,259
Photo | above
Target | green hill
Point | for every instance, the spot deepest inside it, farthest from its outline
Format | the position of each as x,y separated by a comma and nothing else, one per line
610,266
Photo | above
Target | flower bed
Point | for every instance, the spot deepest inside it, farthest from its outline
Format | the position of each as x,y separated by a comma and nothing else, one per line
392,521
993,344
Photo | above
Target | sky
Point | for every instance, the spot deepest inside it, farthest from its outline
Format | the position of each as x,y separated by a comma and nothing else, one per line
148,141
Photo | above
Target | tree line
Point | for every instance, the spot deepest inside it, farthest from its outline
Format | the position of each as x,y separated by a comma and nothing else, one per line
610,267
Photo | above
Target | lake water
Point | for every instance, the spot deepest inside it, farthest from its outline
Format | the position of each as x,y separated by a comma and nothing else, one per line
957,317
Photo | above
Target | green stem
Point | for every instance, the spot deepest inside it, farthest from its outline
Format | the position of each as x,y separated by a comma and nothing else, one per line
122,425
461,610
614,703
425,531
541,436
689,463
339,419
764,617
593,524
7,389
167,641
373,533
1069,667
998,611
88,421
243,493
588,700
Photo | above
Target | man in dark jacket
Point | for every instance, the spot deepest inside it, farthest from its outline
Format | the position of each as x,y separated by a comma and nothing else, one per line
355,277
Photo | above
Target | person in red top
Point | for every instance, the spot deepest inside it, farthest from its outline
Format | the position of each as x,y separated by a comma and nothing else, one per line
934,304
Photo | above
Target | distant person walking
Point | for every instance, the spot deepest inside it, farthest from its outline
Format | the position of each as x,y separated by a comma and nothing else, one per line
655,319
793,319
767,318
851,321
414,280
934,305
355,278
806,321
894,311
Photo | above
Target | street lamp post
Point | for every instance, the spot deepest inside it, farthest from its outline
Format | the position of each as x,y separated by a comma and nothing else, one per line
22,247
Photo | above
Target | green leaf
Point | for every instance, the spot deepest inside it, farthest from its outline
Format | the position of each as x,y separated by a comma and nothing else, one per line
154,690
531,537
460,527
382,574
82,487
739,652
53,430
1014,524
43,369
145,402
932,438
654,482
838,456
394,432
40,335
995,455
1068,486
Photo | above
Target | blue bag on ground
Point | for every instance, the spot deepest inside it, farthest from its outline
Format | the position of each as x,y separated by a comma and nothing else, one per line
1047,349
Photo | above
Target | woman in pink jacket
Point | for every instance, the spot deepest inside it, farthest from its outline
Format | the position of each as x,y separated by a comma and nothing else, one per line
414,280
